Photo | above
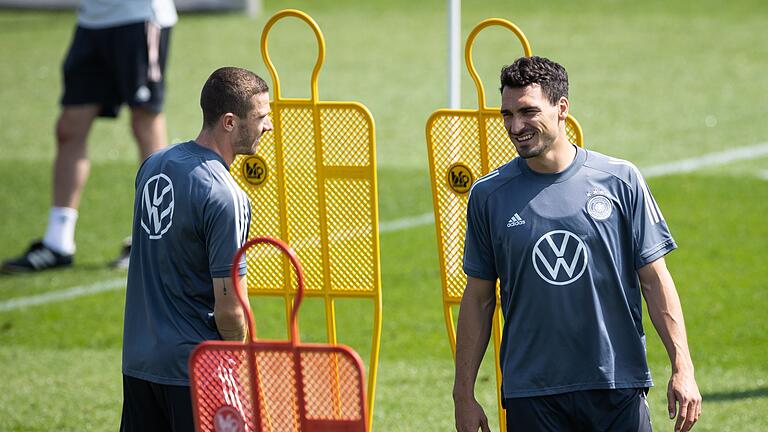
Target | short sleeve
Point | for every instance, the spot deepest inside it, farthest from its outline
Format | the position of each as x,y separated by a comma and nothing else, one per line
227,218
478,251
651,236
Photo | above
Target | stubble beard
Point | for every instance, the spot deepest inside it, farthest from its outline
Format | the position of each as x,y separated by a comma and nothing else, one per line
532,152
246,144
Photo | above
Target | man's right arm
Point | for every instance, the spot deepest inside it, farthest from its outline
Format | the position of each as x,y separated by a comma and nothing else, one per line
472,335
230,319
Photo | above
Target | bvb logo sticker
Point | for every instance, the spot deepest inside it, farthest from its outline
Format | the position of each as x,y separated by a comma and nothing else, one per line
255,170
460,178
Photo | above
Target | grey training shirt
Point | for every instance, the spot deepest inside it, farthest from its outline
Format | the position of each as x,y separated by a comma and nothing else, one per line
566,248
190,217
98,14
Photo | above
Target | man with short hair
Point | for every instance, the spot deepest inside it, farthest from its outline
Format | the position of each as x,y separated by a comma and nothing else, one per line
574,237
190,218
117,56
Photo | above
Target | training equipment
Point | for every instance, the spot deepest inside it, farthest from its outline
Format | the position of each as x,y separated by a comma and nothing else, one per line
462,146
313,184
276,386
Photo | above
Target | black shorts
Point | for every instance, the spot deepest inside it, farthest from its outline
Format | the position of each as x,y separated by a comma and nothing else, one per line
618,410
117,65
150,407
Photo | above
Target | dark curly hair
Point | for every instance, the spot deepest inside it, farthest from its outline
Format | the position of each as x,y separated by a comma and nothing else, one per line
229,89
525,71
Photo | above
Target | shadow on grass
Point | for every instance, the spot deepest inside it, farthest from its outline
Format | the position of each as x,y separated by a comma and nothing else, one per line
735,395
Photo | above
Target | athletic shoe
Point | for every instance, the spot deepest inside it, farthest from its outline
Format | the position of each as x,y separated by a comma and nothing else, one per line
122,260
37,258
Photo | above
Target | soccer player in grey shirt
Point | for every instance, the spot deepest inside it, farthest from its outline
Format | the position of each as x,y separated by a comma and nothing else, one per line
190,217
574,237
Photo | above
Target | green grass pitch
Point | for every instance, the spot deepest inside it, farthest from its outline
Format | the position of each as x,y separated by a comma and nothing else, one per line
651,81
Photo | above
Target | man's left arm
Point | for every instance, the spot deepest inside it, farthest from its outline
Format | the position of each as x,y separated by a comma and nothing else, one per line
226,219
230,316
684,399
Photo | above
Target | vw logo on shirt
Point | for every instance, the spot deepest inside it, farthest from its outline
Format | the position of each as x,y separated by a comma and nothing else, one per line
157,206
559,257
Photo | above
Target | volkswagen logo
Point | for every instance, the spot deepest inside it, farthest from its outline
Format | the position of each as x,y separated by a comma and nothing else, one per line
559,257
157,206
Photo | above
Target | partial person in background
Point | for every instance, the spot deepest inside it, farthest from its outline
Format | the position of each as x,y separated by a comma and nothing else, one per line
117,56
190,218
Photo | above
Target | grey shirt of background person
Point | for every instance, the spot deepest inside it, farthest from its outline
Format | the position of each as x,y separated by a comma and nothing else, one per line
96,14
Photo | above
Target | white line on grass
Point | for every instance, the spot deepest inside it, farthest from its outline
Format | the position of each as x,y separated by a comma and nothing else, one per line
711,159
679,167
55,296
406,223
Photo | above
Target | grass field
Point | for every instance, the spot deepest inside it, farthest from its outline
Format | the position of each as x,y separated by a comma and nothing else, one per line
651,81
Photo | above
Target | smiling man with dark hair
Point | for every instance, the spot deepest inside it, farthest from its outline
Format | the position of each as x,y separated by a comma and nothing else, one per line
574,237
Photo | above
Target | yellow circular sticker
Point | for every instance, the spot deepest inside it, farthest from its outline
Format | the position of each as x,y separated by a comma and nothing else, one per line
255,170
460,178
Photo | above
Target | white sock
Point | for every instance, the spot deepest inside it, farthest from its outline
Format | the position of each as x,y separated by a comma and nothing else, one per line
60,235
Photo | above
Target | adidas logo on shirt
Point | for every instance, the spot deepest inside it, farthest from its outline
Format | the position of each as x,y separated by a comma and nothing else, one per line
515,221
